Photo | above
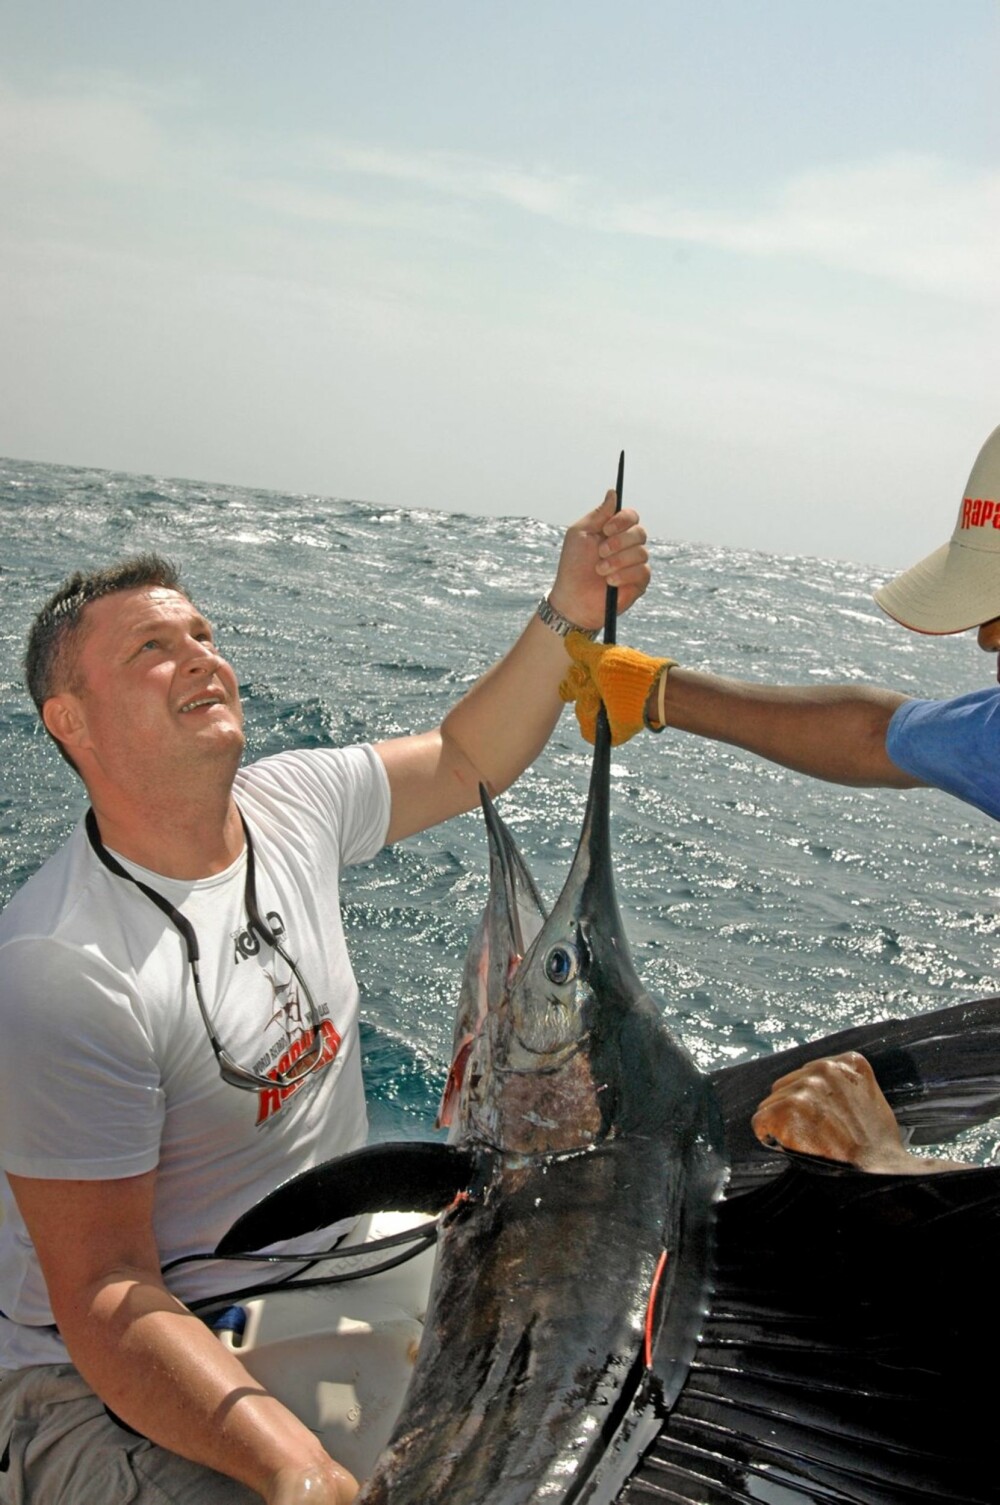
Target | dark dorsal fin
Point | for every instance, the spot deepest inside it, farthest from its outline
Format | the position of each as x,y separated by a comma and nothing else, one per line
841,1358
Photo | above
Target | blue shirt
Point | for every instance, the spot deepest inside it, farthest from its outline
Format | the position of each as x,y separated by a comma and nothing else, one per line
952,744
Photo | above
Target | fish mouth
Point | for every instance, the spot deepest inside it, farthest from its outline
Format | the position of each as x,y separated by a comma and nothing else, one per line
508,868
555,1059
517,910
590,873
588,900
546,1026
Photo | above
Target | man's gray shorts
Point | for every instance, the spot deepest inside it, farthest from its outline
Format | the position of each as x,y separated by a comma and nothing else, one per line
58,1446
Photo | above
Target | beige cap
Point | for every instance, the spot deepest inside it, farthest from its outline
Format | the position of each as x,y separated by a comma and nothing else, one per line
958,586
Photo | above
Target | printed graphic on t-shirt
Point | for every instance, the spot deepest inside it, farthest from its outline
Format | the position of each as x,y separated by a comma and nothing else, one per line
289,1034
270,1100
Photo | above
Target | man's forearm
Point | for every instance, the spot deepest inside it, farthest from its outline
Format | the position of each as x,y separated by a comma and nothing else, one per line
834,732
494,732
501,725
165,1373
504,721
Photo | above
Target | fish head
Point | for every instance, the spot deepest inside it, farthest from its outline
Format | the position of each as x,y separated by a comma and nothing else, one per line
549,1075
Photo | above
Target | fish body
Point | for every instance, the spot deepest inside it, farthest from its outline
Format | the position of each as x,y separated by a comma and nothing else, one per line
570,1283
633,1301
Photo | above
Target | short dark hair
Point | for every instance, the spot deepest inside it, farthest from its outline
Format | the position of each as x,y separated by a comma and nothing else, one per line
50,661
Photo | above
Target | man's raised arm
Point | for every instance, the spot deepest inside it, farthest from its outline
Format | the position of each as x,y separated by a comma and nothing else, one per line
499,728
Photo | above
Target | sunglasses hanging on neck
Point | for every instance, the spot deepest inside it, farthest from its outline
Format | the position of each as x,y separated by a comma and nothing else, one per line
229,1070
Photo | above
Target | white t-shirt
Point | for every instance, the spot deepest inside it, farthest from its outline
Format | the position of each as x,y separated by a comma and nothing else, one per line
106,1069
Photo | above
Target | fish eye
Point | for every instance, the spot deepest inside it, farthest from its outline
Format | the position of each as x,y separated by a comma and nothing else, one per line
561,965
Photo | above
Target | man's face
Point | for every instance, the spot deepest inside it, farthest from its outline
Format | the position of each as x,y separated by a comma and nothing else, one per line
989,639
153,693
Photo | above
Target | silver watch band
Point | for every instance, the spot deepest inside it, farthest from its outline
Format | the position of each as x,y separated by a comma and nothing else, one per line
560,624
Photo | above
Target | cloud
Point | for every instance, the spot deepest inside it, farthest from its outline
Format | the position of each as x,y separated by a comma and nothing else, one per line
163,276
106,134
463,175
918,221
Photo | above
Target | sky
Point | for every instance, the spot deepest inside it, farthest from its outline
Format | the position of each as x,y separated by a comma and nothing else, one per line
451,254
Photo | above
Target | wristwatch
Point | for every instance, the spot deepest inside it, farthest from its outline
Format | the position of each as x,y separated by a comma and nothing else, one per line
560,624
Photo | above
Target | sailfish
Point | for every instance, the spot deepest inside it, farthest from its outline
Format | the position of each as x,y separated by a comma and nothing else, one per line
632,1299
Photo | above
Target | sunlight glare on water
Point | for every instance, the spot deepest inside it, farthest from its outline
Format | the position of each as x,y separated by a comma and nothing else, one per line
763,908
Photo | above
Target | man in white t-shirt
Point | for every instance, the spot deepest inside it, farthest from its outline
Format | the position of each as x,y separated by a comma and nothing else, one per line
179,1018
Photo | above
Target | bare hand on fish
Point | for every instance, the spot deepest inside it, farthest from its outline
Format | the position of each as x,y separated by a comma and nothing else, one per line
326,1485
834,1107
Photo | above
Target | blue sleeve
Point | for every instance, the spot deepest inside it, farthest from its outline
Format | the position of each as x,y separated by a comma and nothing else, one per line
952,744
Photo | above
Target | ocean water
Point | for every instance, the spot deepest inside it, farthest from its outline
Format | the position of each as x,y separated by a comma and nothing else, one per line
763,908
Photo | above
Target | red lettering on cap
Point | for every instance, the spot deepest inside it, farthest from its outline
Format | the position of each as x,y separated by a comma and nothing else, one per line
980,510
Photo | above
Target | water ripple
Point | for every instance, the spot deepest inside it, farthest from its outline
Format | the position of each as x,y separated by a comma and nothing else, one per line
763,908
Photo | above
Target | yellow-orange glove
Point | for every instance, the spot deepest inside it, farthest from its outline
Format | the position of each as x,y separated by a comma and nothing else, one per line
620,677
